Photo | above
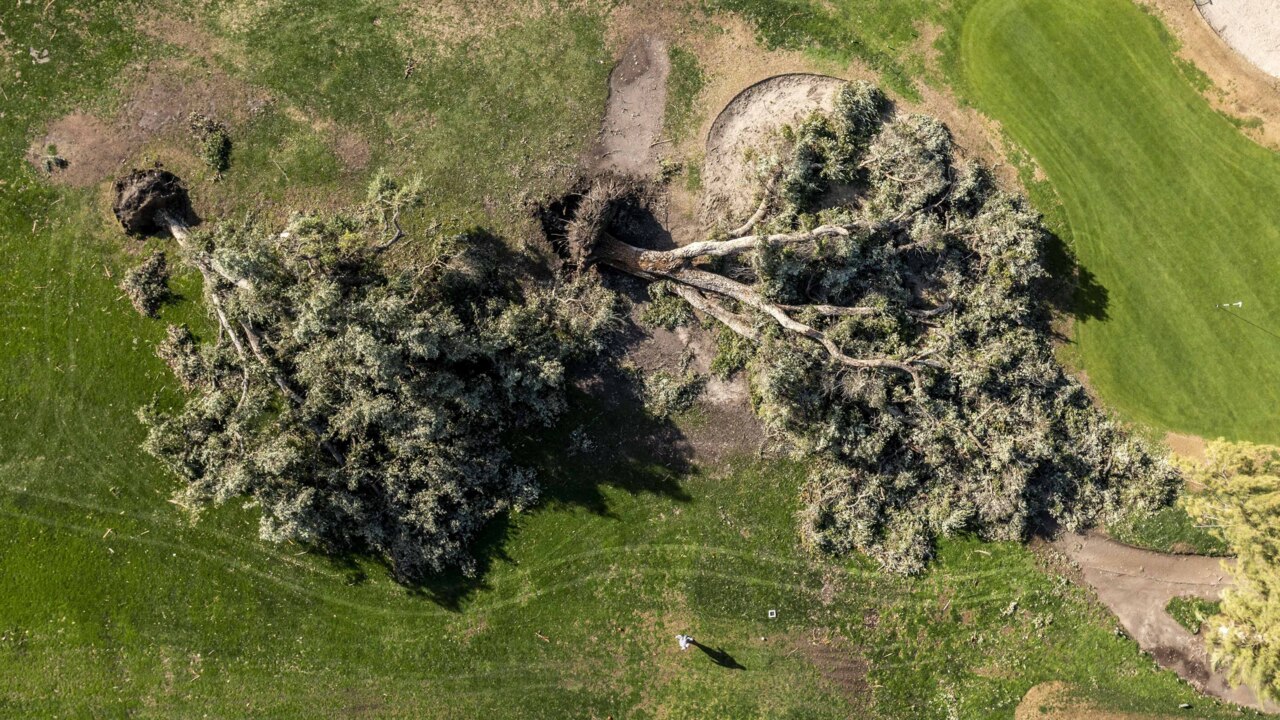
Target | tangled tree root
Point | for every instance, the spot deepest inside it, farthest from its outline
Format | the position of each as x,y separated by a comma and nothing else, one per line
151,201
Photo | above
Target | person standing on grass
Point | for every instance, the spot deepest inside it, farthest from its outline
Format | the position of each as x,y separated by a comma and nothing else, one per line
685,641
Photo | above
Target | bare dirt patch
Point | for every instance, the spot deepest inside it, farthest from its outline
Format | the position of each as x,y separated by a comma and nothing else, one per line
162,95
1136,585
633,114
839,662
1190,447
1241,88
351,149
724,423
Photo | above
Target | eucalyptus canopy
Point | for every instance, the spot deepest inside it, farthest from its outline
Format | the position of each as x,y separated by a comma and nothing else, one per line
900,337
358,407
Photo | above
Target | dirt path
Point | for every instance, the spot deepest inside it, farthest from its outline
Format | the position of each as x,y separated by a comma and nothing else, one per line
1137,584
633,114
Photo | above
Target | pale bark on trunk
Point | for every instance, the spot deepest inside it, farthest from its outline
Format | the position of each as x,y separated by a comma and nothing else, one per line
694,285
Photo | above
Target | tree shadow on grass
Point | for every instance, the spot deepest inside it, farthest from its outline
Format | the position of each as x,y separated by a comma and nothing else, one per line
448,589
1071,288
626,449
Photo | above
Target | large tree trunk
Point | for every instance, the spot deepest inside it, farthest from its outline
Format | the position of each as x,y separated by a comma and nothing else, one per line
695,286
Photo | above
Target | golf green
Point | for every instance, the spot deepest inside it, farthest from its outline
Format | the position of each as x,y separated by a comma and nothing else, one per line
1171,209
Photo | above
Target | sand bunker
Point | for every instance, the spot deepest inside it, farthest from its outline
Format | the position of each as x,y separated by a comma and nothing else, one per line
1251,27
750,121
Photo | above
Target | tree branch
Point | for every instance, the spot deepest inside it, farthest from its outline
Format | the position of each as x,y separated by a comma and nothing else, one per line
760,212
735,322
834,310
633,260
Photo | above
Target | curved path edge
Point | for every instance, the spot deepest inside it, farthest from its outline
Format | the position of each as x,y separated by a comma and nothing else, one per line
1137,584
1250,27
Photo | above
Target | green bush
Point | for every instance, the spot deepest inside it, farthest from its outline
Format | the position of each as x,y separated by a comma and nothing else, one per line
147,285
213,141
1191,612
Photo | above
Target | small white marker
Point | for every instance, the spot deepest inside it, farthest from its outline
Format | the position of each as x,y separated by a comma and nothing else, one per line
773,614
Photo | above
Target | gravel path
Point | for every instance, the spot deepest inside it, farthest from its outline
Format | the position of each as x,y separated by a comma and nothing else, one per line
1252,27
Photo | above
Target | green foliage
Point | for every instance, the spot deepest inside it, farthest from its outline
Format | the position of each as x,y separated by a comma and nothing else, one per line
827,148
360,408
1239,495
684,83
989,436
1191,612
1252,122
1170,530
669,393
733,352
147,285
665,309
213,142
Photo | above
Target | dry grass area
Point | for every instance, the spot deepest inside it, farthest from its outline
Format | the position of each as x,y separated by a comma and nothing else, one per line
152,112
1190,447
1061,701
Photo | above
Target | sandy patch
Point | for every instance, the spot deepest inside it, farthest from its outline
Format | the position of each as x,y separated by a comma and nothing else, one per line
1190,447
1251,27
1241,89
746,129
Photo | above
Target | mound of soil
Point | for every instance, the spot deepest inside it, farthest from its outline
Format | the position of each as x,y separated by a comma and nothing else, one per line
144,197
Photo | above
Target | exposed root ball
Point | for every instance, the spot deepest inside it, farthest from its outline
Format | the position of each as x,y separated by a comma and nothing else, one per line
595,212
147,200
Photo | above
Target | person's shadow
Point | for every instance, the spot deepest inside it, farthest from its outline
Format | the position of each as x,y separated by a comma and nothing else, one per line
718,656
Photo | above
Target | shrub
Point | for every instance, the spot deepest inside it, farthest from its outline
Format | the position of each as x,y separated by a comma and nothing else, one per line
213,143
147,285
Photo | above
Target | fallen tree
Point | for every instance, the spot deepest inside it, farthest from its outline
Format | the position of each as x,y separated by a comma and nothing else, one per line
898,338
359,408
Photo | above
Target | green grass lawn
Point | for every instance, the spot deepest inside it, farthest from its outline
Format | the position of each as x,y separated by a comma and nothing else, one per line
1169,207
113,604
1190,612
